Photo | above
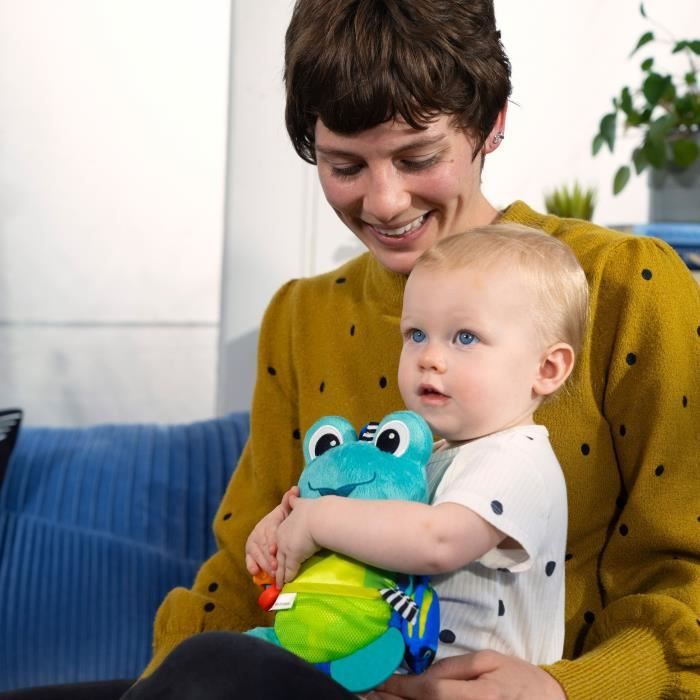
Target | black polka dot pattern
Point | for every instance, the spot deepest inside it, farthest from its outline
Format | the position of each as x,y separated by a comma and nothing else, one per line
209,607
568,557
382,382
685,402
213,587
296,434
624,530
497,507
585,449
623,431
549,569
646,274
631,358
341,280
271,371
501,609
322,387
352,329
227,516
447,636
589,617
659,470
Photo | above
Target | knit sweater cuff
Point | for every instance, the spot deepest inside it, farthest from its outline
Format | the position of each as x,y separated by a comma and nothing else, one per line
631,665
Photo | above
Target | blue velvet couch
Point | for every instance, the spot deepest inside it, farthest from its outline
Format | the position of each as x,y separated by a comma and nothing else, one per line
96,525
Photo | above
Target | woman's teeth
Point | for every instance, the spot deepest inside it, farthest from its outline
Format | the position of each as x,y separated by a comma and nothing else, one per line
396,232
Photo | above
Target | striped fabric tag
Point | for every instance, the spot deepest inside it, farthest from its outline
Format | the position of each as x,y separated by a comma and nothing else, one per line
400,602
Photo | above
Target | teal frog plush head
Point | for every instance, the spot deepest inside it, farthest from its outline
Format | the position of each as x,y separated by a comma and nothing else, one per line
388,461
356,622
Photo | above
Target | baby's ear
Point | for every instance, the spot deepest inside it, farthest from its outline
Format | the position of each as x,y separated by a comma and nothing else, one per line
555,367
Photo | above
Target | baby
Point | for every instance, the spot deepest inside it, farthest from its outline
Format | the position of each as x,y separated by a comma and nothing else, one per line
492,320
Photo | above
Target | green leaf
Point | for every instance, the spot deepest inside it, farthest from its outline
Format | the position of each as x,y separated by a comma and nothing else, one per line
685,152
655,152
597,144
626,100
644,39
654,87
647,63
642,12
639,160
622,177
608,124
661,127
684,45
691,78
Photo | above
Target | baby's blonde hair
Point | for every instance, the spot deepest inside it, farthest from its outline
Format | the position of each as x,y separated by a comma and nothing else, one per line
548,264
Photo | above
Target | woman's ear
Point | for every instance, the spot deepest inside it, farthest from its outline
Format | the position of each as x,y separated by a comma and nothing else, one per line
498,131
556,365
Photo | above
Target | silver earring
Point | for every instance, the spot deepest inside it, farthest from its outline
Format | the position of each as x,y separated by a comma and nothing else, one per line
498,137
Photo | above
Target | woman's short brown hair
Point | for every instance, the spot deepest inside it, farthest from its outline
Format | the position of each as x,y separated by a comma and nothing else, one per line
358,63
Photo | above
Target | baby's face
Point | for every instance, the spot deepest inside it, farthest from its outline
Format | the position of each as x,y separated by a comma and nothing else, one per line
471,354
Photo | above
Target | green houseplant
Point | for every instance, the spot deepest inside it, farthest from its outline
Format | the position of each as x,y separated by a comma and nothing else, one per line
573,201
664,110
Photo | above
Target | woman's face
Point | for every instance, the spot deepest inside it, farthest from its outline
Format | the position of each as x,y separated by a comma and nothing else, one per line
399,190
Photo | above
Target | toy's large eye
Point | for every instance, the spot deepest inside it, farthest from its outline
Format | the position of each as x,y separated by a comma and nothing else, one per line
394,438
324,438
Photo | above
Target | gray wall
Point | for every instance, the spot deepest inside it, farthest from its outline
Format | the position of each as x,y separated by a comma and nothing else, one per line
112,165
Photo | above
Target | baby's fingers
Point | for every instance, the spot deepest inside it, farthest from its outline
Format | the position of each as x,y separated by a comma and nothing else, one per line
252,565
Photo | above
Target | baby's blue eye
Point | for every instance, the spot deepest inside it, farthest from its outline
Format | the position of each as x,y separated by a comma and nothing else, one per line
417,335
466,338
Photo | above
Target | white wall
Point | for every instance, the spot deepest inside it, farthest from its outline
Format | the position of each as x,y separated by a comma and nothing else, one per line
112,165
569,58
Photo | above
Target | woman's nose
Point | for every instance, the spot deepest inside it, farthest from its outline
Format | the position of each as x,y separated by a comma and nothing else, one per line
386,198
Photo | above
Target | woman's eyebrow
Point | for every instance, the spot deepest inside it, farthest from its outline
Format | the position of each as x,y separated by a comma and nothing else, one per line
408,146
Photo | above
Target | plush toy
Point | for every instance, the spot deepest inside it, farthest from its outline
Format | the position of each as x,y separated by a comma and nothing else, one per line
356,622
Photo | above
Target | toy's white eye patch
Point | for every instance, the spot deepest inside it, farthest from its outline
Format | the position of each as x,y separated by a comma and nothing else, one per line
324,438
394,438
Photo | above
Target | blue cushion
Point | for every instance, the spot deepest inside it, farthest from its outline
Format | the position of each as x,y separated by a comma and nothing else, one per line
96,525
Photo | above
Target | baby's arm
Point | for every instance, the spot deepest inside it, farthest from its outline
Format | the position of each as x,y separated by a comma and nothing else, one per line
396,535
261,545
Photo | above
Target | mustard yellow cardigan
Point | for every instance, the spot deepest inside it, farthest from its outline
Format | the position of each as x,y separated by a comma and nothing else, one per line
627,434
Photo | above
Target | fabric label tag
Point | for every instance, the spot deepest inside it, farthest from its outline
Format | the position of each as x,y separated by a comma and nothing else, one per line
284,601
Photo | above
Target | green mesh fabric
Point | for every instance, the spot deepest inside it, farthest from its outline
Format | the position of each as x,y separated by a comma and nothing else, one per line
325,628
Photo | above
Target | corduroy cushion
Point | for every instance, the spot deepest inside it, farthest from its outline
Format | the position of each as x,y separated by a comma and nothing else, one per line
96,525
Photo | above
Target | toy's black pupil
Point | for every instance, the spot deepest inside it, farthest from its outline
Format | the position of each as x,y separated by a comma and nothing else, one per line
325,443
388,441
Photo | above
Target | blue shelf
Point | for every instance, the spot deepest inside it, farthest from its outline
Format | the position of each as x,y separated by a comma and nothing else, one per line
685,239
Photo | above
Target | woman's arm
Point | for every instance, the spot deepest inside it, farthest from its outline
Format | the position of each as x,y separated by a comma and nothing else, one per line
395,535
644,643
223,595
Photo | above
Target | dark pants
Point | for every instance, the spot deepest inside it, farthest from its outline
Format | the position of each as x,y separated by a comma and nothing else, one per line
212,666
103,690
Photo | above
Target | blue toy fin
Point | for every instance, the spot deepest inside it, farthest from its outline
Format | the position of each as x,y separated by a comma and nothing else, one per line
266,633
368,667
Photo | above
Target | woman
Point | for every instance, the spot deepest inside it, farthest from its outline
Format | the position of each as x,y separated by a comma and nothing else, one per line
398,103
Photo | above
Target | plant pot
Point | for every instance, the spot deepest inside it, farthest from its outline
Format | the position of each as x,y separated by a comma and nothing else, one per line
674,194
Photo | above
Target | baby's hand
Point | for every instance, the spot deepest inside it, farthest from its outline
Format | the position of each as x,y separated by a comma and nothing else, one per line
295,543
261,545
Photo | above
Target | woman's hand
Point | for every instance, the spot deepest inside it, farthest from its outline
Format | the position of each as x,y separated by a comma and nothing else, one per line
483,675
295,542
261,545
